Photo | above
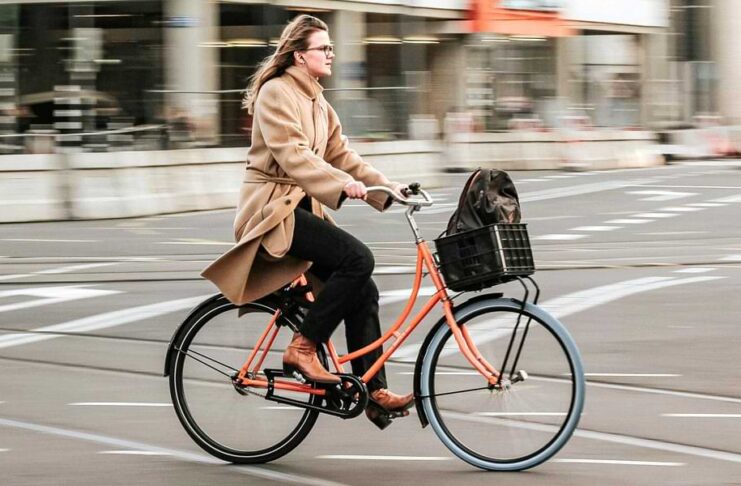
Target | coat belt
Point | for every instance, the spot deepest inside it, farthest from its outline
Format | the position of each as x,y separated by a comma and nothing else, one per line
253,176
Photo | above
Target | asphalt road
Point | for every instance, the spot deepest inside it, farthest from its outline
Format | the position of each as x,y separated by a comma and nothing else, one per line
643,267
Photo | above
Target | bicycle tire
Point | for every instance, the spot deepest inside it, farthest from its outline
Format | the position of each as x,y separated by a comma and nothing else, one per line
542,409
239,417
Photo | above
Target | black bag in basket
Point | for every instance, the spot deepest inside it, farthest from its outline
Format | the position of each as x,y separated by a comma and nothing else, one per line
488,197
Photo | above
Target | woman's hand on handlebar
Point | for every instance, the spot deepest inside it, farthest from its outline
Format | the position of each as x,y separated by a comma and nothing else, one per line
402,191
355,190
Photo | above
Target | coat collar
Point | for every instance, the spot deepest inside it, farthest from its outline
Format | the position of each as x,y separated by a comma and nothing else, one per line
307,85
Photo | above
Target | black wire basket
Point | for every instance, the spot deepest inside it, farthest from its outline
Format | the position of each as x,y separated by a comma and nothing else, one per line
483,257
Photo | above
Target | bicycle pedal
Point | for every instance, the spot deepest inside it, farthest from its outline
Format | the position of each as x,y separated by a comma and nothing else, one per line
299,377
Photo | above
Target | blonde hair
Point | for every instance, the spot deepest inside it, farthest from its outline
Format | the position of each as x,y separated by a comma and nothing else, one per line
294,38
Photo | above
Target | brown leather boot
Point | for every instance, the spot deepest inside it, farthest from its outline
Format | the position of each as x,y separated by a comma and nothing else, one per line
391,401
385,406
300,358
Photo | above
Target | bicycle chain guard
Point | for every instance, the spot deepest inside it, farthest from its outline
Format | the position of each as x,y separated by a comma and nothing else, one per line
345,400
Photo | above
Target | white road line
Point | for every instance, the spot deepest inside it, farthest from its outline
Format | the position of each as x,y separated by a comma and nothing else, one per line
708,205
456,373
731,258
681,209
572,191
605,437
394,270
120,404
67,269
655,215
136,453
695,270
42,240
702,415
628,221
101,321
521,414
568,304
729,199
196,241
4,450
655,391
255,471
636,375
661,195
292,409
50,295
595,228
353,457
618,462
400,295
558,237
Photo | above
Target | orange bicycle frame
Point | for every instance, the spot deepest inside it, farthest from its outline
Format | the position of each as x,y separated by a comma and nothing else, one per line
248,374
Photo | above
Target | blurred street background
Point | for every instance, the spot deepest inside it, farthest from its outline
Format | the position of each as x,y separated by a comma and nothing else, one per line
122,147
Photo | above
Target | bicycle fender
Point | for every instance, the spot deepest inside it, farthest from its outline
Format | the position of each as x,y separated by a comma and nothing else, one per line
176,335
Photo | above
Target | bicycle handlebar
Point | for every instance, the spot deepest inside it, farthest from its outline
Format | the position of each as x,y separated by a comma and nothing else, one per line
427,201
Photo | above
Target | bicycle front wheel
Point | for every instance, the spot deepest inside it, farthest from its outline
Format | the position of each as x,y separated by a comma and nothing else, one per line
532,414
235,424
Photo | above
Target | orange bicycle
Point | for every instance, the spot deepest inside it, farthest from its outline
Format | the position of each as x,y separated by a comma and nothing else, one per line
499,380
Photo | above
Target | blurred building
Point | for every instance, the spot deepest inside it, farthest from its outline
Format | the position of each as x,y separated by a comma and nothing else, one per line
402,67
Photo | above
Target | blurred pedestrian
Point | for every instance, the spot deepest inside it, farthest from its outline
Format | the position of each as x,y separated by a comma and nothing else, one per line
298,161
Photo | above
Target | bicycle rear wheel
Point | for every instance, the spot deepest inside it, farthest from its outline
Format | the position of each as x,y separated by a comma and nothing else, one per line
524,422
230,425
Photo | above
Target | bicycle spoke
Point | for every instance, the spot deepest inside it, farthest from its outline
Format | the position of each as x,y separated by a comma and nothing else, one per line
189,355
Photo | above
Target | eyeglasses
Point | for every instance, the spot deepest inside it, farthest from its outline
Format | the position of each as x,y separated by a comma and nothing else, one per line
328,49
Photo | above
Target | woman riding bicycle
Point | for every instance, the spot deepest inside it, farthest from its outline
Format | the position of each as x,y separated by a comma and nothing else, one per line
298,161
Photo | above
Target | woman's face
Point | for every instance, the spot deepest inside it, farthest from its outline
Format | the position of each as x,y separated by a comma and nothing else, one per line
315,59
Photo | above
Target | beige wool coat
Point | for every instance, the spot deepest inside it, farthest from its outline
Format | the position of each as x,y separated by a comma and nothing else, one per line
297,149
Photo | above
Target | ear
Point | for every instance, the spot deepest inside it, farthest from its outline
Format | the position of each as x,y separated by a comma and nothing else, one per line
298,58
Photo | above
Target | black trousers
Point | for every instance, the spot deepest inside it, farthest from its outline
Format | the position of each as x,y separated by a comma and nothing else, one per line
345,266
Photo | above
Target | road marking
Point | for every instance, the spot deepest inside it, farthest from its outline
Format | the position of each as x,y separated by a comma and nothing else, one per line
67,269
531,180
394,270
521,414
655,215
566,305
656,391
729,199
628,221
255,471
120,404
636,375
557,237
457,373
595,228
681,209
354,457
695,270
661,195
618,462
51,295
731,258
708,205
42,240
559,176
136,453
571,191
605,437
702,415
101,321
196,241
665,233
400,295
